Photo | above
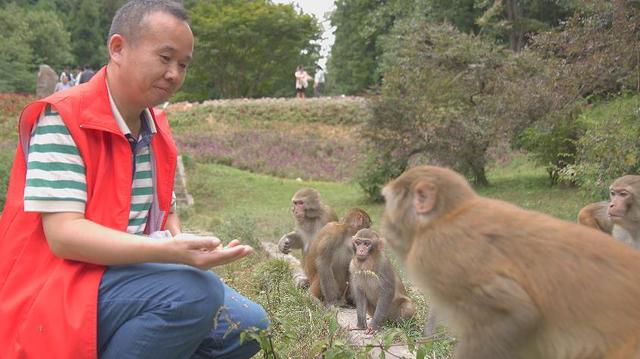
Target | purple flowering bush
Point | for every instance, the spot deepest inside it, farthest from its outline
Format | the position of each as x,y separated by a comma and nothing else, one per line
272,137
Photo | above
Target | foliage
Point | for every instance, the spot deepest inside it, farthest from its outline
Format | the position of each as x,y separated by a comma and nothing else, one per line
89,38
376,170
248,49
597,48
29,37
610,145
553,143
589,59
356,52
431,102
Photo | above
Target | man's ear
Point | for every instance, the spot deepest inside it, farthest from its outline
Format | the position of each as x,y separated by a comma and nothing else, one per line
116,47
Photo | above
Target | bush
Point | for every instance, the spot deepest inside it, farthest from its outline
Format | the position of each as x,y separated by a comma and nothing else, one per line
553,143
610,146
431,102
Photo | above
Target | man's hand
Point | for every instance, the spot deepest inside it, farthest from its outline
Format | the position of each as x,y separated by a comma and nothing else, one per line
205,252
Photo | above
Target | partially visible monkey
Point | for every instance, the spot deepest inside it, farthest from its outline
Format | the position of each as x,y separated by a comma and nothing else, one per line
375,285
329,255
310,215
595,215
624,209
513,283
620,216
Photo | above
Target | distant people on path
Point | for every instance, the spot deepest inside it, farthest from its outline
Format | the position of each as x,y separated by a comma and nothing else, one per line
302,81
63,84
318,82
86,75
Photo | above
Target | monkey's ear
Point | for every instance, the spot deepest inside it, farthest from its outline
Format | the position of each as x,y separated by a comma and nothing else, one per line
424,197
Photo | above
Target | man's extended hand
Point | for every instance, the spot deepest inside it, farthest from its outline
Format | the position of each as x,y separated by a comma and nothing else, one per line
205,252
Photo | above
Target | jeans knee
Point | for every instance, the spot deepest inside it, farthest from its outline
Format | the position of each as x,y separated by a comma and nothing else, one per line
203,296
212,294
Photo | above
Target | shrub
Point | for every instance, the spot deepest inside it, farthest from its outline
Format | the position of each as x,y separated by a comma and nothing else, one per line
435,80
610,146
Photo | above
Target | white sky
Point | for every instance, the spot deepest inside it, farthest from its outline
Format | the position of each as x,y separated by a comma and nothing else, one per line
321,9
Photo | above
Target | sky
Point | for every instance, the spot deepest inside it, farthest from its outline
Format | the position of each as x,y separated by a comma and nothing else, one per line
321,9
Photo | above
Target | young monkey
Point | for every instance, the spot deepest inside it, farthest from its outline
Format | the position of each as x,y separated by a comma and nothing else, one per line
375,285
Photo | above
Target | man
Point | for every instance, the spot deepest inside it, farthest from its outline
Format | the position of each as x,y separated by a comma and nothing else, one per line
318,82
93,174
86,74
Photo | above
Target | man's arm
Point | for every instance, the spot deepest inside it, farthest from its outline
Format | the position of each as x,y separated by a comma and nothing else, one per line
71,236
173,224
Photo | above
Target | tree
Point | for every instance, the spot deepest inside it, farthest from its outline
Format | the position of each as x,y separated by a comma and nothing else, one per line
430,105
29,38
87,33
356,52
248,48
511,22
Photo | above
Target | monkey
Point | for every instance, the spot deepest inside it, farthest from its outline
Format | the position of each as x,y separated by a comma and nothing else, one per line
595,215
310,215
375,285
509,282
329,255
624,209
620,216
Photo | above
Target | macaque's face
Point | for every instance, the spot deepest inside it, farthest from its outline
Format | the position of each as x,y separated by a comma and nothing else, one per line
298,209
362,247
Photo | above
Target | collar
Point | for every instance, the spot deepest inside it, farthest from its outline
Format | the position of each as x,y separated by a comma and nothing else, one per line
123,125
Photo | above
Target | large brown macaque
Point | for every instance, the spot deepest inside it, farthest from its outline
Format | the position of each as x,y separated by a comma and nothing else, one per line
310,215
375,285
329,255
513,283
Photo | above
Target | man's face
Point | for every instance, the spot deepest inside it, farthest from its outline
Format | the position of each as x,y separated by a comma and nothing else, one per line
155,64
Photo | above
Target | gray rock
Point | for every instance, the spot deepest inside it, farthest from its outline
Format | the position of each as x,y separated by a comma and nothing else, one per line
47,79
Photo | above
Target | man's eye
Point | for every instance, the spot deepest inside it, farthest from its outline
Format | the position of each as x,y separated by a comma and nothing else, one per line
165,58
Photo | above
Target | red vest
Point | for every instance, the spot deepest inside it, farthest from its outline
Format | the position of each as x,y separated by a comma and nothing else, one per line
48,305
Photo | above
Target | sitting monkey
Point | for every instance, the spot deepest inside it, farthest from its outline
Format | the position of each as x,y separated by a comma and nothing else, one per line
375,285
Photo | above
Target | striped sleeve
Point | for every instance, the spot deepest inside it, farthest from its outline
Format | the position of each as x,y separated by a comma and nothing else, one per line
56,179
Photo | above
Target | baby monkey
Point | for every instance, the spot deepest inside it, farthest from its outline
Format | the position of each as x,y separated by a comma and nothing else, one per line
375,285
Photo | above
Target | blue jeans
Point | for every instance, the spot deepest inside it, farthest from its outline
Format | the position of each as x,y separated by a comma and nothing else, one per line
173,311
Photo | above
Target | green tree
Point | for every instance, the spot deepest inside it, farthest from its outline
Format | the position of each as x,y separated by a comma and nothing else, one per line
431,104
248,48
511,22
29,38
356,52
87,33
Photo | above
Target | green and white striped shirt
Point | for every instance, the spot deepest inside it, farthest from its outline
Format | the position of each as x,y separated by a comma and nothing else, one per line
56,179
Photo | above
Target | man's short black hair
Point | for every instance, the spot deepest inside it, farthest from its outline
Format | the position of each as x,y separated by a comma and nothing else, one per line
129,18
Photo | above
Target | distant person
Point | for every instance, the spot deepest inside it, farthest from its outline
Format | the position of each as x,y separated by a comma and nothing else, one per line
77,71
67,72
318,82
86,74
63,84
302,81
